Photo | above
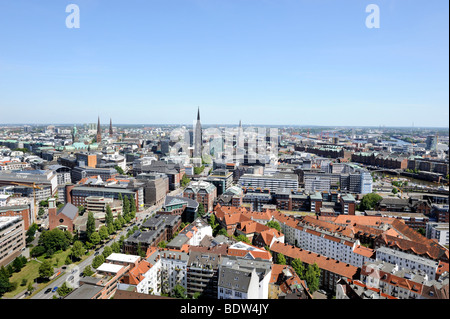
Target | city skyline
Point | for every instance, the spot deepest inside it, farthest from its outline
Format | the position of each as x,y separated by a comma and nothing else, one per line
271,63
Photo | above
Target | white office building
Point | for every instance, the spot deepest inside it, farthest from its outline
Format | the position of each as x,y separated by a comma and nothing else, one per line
438,231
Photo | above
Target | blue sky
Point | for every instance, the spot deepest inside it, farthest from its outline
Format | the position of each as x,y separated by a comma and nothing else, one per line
293,62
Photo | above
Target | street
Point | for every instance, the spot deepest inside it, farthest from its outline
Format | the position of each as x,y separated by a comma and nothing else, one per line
76,270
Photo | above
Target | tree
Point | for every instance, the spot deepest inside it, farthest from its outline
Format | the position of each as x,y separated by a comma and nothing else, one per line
212,221
126,205
30,287
140,251
78,250
90,224
222,231
243,238
299,268
18,263
132,205
43,203
119,170
5,284
369,201
41,211
394,191
274,224
37,251
421,231
115,247
199,170
45,270
103,232
162,244
98,260
185,180
54,240
201,209
107,251
281,260
312,277
64,290
179,291
95,238
31,232
88,271
109,218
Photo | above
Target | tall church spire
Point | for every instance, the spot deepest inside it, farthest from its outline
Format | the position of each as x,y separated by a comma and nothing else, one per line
110,127
99,131
198,136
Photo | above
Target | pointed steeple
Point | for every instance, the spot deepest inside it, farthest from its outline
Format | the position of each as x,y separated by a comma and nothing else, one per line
110,127
198,136
99,131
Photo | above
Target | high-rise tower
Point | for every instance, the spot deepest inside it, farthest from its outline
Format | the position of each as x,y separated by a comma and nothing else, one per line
198,136
99,132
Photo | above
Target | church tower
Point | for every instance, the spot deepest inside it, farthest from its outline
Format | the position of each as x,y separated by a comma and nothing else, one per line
74,134
198,137
99,132
110,127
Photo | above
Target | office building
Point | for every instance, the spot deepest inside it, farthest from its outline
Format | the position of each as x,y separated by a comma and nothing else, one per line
12,238
222,179
439,232
272,182
155,189
202,192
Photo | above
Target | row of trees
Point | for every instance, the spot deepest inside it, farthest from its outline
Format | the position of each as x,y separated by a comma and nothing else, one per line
111,224
6,272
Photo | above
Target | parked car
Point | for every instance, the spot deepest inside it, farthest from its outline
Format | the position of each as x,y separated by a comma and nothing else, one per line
55,288
48,290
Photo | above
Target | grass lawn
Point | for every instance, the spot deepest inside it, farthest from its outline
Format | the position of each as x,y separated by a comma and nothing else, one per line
31,271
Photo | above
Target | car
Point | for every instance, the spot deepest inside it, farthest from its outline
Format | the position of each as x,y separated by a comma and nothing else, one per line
48,290
55,288
96,253
71,278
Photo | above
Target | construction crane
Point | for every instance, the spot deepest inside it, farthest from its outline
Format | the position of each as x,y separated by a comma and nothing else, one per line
34,187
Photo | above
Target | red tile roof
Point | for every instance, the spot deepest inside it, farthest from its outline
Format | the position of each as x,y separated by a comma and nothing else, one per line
308,257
